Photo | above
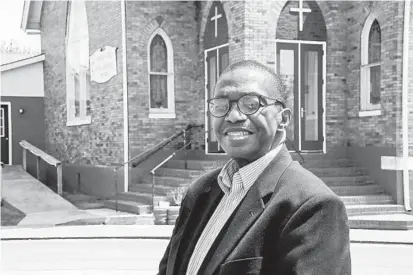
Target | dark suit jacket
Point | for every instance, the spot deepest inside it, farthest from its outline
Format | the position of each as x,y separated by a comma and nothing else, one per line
289,222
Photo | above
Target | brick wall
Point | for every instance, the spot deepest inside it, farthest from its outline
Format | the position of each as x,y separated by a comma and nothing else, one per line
185,24
383,130
252,29
101,142
178,20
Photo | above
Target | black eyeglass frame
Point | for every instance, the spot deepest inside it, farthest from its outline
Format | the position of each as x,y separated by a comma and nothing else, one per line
261,99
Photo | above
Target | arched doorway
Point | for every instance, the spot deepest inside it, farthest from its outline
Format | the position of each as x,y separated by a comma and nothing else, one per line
301,61
216,60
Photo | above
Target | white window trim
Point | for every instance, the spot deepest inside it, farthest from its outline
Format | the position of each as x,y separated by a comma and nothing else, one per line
170,111
365,89
83,119
370,113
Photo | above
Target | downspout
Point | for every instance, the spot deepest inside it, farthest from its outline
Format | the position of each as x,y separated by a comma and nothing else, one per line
125,100
405,112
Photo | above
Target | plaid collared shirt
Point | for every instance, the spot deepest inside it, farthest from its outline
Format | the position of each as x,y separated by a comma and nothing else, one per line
235,184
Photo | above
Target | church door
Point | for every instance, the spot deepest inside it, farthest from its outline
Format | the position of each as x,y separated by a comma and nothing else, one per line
216,60
301,61
301,66
5,133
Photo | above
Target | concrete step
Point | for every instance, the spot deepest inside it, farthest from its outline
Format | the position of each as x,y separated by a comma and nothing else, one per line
212,164
372,209
128,206
352,190
367,199
388,222
203,165
160,190
338,171
340,181
166,180
139,197
179,173
327,163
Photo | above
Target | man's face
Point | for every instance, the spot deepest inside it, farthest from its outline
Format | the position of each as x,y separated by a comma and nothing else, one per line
245,137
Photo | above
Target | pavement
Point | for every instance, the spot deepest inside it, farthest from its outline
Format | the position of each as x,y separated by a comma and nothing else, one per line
165,232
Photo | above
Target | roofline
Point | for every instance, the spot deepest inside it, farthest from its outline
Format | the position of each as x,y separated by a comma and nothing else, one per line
22,62
29,7
25,14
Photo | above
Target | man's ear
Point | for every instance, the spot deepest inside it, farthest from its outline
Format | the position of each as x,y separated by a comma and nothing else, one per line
285,117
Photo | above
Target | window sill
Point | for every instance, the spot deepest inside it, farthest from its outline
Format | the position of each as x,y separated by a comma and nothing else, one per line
162,115
78,121
369,113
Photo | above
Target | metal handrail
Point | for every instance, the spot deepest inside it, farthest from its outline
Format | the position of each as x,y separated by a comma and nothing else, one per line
158,166
149,153
161,145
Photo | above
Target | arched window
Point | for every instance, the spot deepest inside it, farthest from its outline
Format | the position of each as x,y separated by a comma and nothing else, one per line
161,76
370,67
77,66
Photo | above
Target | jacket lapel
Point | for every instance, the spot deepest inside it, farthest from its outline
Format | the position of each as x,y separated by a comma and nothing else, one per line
250,209
200,211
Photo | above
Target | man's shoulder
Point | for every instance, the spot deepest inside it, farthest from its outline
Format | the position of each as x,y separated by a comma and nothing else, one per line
203,182
304,183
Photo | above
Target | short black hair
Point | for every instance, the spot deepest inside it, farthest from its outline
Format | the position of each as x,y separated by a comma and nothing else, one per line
277,85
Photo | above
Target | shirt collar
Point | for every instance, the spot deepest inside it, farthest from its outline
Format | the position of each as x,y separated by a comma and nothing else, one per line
249,173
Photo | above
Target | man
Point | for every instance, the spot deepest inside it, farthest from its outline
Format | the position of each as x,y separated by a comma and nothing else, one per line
262,213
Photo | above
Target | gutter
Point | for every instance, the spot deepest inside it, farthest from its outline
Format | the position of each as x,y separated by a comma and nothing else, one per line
405,111
125,101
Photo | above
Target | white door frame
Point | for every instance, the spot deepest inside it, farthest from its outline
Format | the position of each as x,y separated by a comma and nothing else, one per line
8,103
324,58
206,92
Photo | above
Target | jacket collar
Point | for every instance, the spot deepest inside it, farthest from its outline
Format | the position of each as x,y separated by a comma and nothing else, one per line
250,209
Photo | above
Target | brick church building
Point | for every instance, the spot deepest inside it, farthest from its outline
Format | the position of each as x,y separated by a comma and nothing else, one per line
344,63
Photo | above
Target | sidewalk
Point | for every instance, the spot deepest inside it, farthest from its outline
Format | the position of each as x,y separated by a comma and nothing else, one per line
165,231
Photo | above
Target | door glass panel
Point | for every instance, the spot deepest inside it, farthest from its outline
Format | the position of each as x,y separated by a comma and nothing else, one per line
224,62
286,70
212,79
310,95
2,122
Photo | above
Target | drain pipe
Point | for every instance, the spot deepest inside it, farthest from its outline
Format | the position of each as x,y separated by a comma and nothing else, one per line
125,101
405,112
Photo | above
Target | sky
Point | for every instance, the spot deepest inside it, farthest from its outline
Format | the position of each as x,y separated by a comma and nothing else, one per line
10,18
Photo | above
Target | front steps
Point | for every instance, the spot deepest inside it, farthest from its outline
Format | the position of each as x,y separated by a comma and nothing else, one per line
367,204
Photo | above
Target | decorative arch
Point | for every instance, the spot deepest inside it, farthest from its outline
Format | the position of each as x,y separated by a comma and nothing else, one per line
205,15
308,26
77,65
275,11
216,27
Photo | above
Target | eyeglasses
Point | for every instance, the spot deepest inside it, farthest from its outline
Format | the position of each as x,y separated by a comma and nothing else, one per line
248,104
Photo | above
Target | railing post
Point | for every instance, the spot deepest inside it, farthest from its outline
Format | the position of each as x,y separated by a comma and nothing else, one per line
153,190
115,180
185,140
24,159
38,168
59,179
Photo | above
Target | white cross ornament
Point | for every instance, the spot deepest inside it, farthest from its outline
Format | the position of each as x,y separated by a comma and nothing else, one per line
301,12
215,18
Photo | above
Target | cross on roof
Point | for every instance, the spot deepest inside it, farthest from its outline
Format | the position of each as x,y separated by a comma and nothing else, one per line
301,12
215,18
